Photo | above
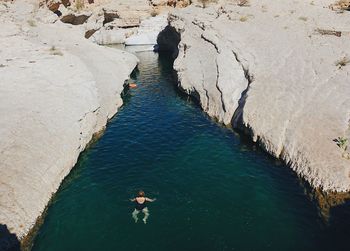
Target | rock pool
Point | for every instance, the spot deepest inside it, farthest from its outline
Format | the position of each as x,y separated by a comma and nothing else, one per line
214,190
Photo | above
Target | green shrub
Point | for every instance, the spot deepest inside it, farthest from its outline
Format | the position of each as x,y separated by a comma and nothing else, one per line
342,143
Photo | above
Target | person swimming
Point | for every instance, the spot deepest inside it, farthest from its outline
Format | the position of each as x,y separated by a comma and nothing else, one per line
141,206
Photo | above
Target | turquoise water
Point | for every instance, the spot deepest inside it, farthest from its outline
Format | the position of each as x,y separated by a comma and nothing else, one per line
214,191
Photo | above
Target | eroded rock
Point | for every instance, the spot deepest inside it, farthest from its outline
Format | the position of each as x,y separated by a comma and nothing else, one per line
74,19
57,90
262,68
106,36
109,15
341,5
148,31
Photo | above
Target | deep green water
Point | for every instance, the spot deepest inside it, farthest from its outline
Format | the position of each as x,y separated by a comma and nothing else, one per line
214,191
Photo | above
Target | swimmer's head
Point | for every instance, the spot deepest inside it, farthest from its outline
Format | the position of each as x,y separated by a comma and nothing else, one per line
141,193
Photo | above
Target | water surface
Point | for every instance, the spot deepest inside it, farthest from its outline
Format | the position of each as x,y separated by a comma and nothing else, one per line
214,192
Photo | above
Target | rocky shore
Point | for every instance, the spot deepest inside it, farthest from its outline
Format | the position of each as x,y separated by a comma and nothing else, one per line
57,90
278,71
275,70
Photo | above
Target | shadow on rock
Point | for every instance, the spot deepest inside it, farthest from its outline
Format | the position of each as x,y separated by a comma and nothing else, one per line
168,40
8,241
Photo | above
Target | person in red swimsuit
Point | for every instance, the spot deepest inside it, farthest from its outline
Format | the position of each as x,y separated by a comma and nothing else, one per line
141,205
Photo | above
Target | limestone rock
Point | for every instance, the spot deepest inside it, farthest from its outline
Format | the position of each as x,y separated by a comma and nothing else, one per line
265,69
45,16
57,90
125,23
183,3
340,5
148,31
110,36
95,21
89,33
75,19
109,15
173,3
159,2
53,5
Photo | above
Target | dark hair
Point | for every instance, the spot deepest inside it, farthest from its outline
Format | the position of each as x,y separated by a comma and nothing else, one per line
141,193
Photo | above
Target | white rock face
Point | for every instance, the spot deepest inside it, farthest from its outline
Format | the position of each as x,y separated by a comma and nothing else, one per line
119,22
148,31
56,90
159,2
107,36
268,68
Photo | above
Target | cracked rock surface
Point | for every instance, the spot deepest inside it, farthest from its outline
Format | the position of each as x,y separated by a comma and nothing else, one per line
56,90
265,68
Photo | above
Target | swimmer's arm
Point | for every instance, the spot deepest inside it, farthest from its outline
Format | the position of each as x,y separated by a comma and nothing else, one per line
150,200
132,199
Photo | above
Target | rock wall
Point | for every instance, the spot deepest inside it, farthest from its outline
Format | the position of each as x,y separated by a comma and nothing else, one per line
57,90
280,72
116,21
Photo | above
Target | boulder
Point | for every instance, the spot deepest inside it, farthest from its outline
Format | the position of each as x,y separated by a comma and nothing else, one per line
66,3
74,19
148,31
159,2
106,36
124,23
109,15
95,21
53,5
89,33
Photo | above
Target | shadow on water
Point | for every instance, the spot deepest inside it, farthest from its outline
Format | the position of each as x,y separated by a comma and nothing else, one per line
165,59
8,241
333,208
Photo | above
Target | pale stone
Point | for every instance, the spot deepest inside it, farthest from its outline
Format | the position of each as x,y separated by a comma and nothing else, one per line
159,2
95,21
46,16
57,89
266,67
125,23
114,36
148,31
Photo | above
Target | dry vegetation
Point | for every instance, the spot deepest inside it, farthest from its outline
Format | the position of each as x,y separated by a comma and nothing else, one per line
54,51
329,32
341,5
342,143
79,4
243,18
31,23
342,62
243,3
